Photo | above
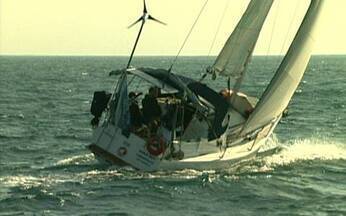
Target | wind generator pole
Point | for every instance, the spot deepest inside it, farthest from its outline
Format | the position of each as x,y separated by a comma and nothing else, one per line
143,18
134,47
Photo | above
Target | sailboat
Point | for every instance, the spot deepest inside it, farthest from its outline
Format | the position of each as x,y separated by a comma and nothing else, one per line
199,127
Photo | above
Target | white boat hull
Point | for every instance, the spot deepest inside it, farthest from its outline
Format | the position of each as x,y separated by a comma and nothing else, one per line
220,160
111,146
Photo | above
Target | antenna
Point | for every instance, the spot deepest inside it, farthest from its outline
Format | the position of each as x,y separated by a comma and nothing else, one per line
143,18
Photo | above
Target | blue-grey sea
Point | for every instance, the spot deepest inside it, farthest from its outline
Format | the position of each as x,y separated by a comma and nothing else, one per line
45,168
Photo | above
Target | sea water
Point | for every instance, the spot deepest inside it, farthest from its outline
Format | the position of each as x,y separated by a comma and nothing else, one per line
45,168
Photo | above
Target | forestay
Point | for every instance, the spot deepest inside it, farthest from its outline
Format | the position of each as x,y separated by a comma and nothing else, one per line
286,80
238,49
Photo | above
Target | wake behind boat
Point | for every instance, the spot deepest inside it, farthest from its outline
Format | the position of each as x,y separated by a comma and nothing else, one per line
183,123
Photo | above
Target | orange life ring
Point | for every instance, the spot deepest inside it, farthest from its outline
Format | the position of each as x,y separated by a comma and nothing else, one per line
156,145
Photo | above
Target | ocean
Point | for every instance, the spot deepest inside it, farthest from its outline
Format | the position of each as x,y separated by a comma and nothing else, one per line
45,168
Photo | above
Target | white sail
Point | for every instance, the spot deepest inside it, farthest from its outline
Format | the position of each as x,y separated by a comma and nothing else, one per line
286,80
237,51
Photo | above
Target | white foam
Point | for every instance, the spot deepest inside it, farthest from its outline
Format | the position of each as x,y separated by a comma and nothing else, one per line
26,181
78,159
307,149
31,181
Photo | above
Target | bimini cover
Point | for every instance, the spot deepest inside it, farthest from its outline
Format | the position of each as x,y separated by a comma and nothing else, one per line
161,78
169,81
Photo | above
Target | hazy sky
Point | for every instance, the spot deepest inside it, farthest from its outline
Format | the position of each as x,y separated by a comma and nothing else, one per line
99,27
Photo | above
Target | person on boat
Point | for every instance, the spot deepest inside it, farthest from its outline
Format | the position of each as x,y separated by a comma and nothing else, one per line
135,112
151,109
226,93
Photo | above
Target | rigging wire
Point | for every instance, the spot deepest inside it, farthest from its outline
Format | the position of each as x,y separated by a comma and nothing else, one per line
266,62
218,27
288,31
204,75
238,38
131,80
272,31
188,35
232,51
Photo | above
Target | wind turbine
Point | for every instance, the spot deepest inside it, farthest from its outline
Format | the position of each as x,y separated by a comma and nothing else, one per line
146,16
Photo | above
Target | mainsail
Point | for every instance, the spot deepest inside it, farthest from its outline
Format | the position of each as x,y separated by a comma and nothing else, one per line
236,53
286,80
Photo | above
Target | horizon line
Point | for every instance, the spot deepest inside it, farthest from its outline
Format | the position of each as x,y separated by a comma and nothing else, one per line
145,55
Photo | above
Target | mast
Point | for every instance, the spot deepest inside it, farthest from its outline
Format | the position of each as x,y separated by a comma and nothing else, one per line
289,74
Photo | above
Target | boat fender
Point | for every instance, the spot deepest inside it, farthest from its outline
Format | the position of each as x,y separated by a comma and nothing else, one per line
156,145
122,151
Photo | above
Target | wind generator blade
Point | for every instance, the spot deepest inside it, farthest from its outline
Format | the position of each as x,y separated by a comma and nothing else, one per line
137,21
143,18
156,20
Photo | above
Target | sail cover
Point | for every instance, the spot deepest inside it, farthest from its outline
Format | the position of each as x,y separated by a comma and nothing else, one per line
238,49
286,80
122,113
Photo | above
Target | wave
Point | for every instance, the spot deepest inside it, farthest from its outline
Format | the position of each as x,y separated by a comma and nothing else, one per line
82,167
272,155
16,136
12,116
67,136
48,180
307,150
29,181
76,160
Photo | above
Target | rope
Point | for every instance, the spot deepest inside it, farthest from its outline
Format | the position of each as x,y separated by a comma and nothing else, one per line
188,35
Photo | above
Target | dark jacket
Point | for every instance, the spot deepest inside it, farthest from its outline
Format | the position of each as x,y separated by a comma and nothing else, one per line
135,114
151,108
